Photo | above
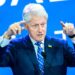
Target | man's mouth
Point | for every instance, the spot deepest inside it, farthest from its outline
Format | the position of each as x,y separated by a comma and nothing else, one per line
40,35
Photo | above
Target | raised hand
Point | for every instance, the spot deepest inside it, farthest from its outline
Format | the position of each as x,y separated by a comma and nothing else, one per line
68,28
14,29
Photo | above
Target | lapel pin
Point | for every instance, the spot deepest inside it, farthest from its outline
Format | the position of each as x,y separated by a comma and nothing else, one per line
50,46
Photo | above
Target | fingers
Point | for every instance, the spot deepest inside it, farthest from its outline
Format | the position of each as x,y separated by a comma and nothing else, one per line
62,23
68,28
16,28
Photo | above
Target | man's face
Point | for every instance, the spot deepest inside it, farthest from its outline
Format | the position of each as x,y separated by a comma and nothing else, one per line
37,28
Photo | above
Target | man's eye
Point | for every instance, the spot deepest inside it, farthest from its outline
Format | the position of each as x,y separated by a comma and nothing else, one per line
36,25
43,24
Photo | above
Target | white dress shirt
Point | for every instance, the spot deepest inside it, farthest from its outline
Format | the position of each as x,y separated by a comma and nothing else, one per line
35,46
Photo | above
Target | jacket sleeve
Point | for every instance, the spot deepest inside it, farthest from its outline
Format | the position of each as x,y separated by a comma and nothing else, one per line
69,55
5,57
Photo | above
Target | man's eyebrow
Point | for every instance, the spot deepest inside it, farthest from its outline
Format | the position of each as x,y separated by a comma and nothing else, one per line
36,24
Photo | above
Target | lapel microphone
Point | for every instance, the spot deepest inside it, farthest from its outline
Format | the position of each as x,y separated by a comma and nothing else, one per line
43,54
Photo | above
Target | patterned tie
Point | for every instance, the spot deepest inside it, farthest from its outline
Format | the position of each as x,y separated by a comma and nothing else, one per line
40,57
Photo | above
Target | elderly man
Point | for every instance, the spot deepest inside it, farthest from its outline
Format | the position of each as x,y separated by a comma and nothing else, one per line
36,53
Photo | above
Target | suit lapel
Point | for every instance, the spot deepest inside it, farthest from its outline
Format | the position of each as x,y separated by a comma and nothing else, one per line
49,50
31,53
54,53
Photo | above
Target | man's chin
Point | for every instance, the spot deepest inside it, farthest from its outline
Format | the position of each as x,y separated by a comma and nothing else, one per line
40,39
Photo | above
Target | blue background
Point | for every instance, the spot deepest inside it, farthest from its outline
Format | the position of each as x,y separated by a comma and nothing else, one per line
61,10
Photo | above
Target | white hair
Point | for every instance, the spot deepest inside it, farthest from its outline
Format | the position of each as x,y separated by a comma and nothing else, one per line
33,9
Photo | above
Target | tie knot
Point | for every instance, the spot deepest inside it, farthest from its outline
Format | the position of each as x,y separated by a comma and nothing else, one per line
38,43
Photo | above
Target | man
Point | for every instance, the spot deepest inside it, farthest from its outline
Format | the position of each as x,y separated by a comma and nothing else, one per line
36,53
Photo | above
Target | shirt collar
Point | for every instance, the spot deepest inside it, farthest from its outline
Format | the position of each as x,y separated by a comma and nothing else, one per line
33,41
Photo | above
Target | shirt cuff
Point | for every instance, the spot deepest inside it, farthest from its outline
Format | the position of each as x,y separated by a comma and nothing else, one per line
4,42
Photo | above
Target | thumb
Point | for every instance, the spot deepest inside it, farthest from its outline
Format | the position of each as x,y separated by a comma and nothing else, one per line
62,23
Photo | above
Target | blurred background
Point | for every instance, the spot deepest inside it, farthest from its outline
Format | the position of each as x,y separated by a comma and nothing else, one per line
58,10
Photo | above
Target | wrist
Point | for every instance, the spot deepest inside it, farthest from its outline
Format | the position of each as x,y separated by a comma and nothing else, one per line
6,36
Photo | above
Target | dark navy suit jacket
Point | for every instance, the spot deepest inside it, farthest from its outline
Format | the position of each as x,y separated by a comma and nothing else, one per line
20,56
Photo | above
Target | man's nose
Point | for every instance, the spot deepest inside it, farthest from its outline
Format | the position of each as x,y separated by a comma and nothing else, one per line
40,28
